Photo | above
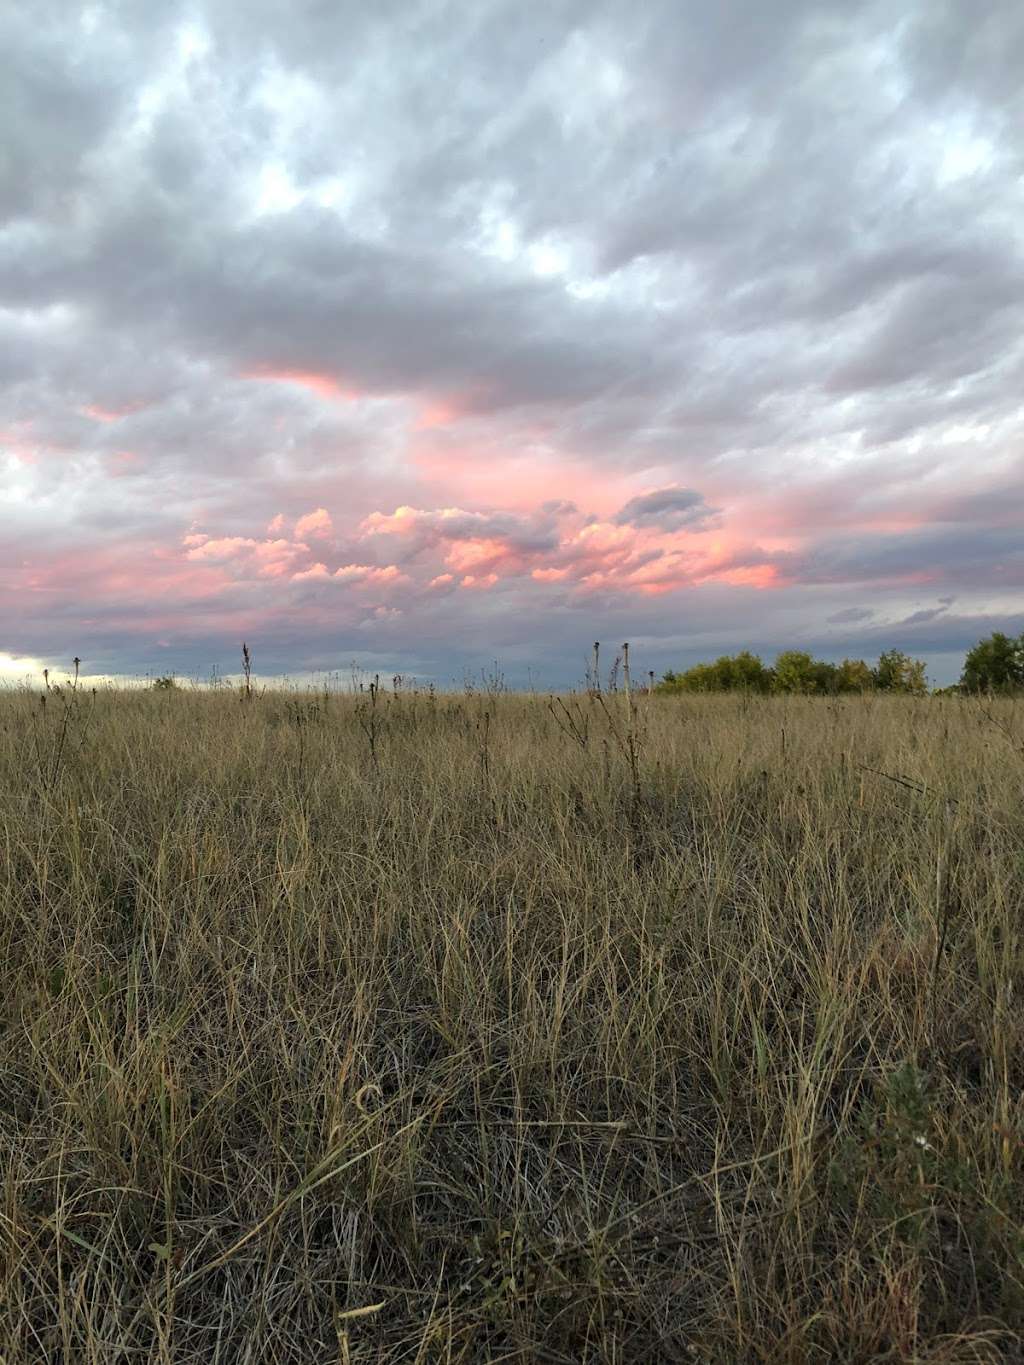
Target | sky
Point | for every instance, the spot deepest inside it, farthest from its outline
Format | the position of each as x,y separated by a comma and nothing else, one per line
422,334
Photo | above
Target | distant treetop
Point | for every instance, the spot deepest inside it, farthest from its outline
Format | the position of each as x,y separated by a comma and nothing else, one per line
796,671
995,664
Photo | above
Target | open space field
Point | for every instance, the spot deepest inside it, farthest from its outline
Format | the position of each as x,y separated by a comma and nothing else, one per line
480,1028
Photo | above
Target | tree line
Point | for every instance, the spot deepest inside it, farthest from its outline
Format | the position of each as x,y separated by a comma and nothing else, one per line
995,664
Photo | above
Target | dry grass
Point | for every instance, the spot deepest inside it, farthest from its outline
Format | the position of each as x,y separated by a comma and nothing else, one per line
478,1049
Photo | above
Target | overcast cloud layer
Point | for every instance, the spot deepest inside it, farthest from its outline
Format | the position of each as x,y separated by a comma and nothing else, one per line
421,334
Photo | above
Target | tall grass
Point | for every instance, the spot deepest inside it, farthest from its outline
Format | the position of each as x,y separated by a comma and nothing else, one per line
422,1029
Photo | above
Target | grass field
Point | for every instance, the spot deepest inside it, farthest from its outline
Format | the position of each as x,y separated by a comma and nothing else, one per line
478,1029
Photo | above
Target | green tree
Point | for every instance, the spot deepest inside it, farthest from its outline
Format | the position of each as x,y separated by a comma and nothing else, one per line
797,671
994,665
743,672
854,675
898,672
794,671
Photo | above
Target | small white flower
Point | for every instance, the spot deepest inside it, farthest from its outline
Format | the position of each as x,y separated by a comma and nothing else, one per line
922,1142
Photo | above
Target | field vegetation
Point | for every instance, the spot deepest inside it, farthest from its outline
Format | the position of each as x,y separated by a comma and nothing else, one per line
490,1027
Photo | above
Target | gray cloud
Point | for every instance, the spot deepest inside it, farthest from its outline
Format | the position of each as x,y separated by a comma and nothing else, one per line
945,554
923,615
666,509
546,256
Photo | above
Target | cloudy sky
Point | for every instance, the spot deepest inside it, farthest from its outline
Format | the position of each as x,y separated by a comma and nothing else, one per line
425,333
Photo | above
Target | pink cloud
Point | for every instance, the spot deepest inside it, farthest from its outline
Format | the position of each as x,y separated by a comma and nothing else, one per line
510,477
269,558
219,550
98,413
325,386
125,578
469,556
438,414
315,523
555,544
401,521
446,521
24,441
276,557
554,547
316,571
276,524
369,573
752,576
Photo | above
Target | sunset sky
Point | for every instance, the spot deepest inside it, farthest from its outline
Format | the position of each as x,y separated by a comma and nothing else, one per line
419,335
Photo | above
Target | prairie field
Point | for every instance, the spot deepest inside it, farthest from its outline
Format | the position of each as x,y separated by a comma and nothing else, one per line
496,1027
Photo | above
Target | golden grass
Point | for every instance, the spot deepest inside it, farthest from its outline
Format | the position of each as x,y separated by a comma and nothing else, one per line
680,1037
